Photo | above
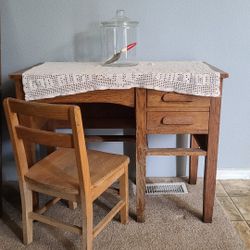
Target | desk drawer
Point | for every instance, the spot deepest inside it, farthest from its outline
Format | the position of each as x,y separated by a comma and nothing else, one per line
169,99
177,122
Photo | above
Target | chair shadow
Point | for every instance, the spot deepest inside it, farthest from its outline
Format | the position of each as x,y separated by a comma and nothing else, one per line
12,225
11,196
67,244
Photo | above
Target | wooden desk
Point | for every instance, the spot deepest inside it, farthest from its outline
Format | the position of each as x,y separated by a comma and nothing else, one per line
155,112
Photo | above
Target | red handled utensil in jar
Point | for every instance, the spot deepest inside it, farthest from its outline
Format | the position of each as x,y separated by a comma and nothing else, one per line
117,56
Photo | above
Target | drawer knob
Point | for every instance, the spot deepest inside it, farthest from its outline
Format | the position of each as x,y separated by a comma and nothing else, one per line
177,121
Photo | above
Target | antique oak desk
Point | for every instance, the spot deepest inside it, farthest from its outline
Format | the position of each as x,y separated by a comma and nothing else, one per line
153,112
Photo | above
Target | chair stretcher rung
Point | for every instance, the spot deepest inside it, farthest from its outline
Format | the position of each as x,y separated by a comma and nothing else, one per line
52,222
47,205
176,151
108,217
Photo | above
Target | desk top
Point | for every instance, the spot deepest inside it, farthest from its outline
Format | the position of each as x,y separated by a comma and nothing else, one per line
68,78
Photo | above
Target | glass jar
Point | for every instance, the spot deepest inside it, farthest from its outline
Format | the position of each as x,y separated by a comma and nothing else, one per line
119,41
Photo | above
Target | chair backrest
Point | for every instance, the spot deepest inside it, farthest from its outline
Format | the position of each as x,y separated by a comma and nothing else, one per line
21,134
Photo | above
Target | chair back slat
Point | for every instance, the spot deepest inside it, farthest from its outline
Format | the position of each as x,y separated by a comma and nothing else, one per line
45,137
55,112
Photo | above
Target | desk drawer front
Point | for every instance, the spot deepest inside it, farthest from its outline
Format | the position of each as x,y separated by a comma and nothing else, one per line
180,122
167,99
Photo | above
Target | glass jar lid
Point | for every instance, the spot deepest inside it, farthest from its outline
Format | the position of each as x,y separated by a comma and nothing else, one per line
120,20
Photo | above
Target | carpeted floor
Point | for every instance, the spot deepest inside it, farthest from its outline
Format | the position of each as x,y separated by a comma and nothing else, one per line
172,222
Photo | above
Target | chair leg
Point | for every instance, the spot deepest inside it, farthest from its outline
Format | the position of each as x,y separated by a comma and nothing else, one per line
124,196
193,163
88,245
27,207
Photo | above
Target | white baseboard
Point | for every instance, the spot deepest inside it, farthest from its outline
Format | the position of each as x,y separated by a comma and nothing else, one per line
225,174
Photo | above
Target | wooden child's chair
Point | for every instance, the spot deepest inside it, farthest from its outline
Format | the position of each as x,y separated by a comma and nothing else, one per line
70,172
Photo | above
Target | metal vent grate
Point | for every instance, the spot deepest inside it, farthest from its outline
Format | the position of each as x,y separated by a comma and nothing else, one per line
166,188
163,188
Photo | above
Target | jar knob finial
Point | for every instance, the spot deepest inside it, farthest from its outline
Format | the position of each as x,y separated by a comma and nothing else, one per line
120,13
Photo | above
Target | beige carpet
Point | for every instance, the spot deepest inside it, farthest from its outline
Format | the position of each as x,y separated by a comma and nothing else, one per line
173,222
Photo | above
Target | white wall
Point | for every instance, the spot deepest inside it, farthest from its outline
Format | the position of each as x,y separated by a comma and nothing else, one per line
214,31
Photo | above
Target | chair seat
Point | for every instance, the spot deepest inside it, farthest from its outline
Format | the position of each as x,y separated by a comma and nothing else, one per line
58,171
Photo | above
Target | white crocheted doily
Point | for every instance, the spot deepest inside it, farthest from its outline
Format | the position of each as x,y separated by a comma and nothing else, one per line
53,79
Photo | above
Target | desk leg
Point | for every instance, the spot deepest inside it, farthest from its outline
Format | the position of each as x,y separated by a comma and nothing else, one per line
211,159
141,146
1,168
140,184
193,162
1,185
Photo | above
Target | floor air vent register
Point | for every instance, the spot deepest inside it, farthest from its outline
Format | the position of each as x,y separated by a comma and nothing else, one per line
164,188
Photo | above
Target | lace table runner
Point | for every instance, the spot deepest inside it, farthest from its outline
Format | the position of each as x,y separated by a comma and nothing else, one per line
53,79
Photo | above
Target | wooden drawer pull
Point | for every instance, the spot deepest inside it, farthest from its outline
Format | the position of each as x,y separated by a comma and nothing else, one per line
170,98
177,121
